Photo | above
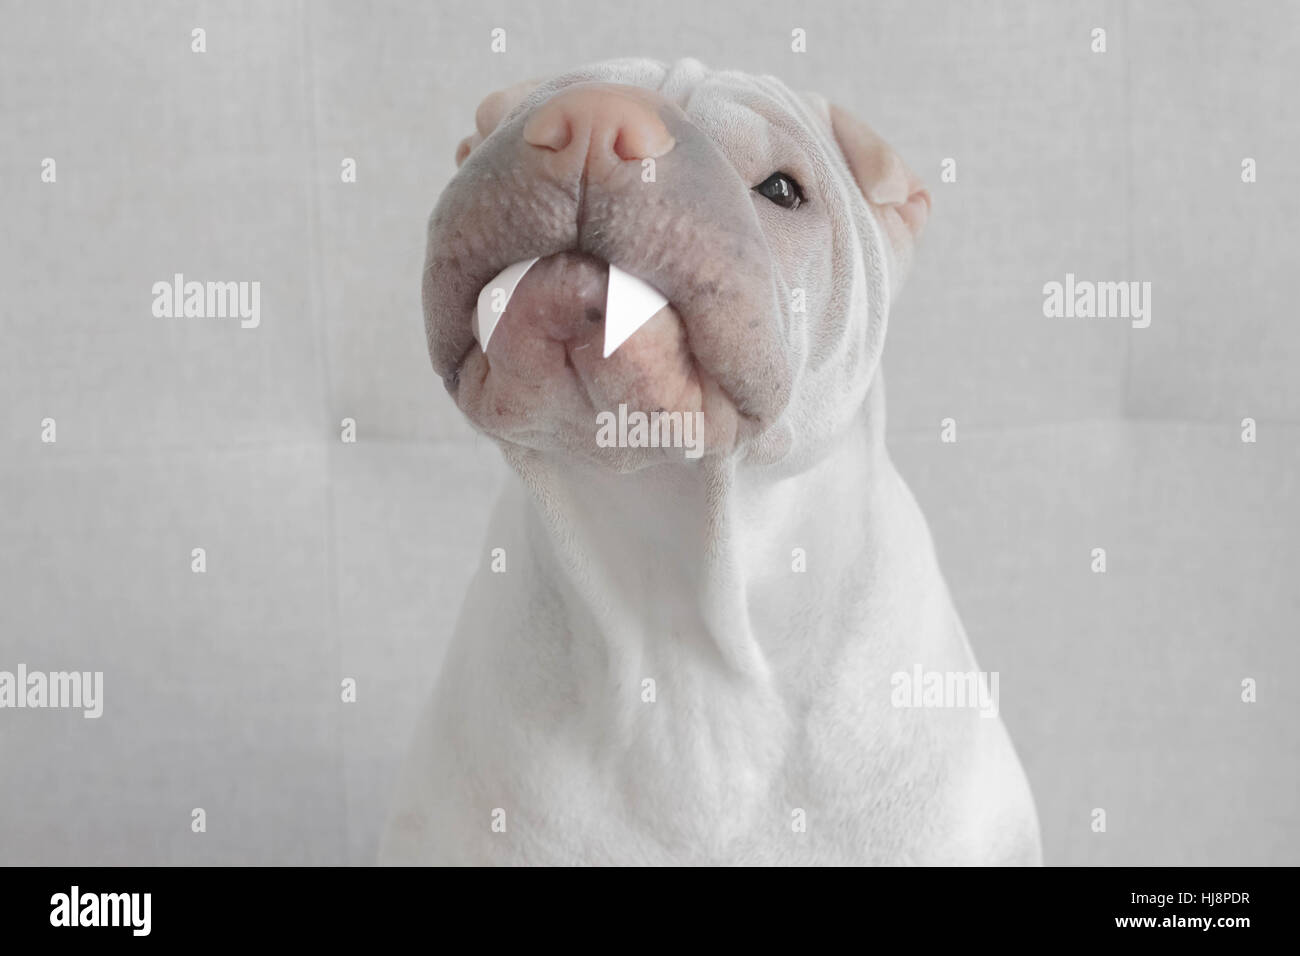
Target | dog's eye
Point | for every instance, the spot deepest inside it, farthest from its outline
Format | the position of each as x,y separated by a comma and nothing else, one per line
782,190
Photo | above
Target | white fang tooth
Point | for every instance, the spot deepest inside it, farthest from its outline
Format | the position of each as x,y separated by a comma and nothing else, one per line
502,288
629,304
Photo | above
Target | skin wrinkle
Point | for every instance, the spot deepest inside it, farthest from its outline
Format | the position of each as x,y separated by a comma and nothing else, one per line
611,229
774,686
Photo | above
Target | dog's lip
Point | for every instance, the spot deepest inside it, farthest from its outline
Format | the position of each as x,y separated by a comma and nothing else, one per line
751,423
451,378
575,282
451,381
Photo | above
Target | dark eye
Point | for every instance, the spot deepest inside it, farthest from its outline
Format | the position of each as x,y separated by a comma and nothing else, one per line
782,190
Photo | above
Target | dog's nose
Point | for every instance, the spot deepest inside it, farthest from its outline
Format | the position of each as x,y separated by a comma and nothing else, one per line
600,125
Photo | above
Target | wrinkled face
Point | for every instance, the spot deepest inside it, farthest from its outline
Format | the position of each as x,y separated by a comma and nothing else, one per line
636,264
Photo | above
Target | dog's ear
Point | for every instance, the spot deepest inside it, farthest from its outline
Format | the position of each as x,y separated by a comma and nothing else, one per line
894,192
880,172
490,113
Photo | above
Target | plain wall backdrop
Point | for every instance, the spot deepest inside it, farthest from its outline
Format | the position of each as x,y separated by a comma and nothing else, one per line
328,560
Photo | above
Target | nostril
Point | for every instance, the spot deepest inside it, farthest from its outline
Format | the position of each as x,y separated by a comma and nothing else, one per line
643,138
548,129
606,124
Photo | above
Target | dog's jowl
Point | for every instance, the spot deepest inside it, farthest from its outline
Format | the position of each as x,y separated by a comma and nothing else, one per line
652,678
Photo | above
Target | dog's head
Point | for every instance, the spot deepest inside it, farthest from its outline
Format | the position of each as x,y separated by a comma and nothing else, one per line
762,232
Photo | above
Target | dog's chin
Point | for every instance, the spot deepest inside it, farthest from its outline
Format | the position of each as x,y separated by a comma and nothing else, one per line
543,382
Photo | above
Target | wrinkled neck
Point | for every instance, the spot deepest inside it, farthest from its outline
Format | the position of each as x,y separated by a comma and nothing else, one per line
713,554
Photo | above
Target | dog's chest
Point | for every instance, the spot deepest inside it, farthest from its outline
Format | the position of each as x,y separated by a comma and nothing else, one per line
705,772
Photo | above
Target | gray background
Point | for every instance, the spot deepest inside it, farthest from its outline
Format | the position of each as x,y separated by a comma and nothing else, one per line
328,560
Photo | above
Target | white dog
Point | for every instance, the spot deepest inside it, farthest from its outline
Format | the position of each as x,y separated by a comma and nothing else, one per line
701,658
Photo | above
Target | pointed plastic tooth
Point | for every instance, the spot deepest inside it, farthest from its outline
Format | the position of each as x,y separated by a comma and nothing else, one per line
629,303
486,317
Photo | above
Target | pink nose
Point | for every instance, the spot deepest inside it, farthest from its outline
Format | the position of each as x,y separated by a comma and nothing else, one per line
598,125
